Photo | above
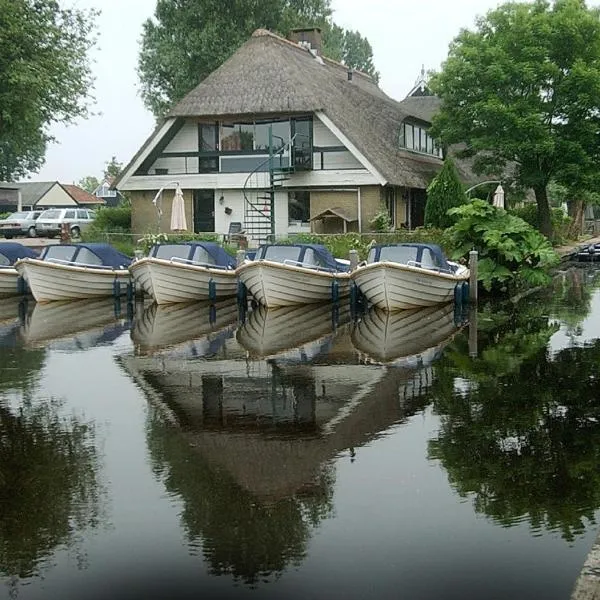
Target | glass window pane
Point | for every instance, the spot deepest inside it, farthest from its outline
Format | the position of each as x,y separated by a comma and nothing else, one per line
87,257
208,138
82,214
429,144
408,136
229,138
202,256
69,214
261,136
299,207
399,254
169,251
246,133
281,253
4,262
60,252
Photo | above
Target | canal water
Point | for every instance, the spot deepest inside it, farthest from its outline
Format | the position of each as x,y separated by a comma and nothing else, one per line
192,451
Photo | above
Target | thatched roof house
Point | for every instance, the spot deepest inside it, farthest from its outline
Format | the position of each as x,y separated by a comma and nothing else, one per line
338,139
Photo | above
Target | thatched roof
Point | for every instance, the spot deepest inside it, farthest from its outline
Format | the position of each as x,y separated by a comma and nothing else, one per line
341,213
271,75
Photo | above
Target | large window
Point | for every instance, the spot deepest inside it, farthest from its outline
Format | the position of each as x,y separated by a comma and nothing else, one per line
254,137
415,137
298,207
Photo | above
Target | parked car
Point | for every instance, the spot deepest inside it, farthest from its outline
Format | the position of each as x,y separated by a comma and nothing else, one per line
51,221
20,223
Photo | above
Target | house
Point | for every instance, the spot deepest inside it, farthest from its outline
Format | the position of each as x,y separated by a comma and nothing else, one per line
280,135
108,194
44,194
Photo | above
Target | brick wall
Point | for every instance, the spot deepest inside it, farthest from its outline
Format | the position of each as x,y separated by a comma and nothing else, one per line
371,203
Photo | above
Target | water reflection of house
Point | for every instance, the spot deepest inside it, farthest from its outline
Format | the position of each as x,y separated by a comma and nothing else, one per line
273,424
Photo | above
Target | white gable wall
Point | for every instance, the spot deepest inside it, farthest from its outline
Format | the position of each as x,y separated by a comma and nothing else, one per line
55,196
323,137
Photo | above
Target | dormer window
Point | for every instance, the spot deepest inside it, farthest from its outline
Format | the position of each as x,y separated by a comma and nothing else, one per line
415,137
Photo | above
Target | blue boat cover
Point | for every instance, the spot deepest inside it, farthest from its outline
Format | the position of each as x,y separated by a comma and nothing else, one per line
109,256
14,252
324,258
436,258
217,252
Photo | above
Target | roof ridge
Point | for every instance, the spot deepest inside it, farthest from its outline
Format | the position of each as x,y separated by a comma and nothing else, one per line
279,38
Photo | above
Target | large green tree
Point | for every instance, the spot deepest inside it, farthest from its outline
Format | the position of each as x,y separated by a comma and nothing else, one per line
523,88
186,41
45,77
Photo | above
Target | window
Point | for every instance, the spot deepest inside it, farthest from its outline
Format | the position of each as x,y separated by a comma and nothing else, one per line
202,256
414,137
69,214
237,137
208,137
161,171
298,207
82,214
169,251
208,164
60,252
282,253
254,137
87,257
50,214
4,262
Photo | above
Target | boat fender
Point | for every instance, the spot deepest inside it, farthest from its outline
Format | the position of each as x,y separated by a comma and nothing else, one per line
242,293
21,286
130,290
212,314
465,292
457,295
117,307
116,288
212,290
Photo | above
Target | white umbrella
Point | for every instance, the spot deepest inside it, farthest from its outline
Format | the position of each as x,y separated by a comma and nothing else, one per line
178,222
499,197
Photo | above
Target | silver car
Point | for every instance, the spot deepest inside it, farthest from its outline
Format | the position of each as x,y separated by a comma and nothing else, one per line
20,223
51,221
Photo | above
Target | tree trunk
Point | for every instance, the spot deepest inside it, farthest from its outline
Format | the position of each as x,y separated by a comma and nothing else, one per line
545,223
576,210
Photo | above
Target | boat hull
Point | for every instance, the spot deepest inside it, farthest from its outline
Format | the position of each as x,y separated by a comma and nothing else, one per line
52,281
141,275
275,284
9,285
392,286
174,282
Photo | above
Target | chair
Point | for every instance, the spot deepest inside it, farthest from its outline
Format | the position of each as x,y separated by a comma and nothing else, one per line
235,235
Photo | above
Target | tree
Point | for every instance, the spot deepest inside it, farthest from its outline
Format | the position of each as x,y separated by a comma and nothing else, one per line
112,169
524,89
89,183
45,77
185,42
444,192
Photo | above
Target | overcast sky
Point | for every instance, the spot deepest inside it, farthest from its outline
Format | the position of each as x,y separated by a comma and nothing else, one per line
404,34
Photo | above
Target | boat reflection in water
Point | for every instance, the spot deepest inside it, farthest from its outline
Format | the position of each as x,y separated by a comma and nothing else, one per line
72,325
408,337
300,331
14,311
190,329
247,435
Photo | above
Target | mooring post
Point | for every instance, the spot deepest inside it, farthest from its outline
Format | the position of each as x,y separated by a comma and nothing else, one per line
473,277
353,259
473,350
240,257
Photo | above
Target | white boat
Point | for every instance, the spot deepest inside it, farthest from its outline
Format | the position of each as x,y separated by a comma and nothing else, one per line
287,275
75,272
165,327
186,272
269,332
406,338
402,276
11,283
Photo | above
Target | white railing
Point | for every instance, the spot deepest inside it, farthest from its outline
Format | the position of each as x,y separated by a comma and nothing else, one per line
197,263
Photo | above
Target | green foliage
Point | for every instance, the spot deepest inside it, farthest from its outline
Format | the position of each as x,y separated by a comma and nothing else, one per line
186,41
89,183
523,88
445,192
381,221
45,77
4,215
510,250
521,440
147,241
560,221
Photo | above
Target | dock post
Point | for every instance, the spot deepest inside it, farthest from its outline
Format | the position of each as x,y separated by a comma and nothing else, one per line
473,350
353,259
473,254
240,256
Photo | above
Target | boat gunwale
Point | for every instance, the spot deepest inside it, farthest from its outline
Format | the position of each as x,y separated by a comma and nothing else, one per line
293,268
149,260
412,269
73,267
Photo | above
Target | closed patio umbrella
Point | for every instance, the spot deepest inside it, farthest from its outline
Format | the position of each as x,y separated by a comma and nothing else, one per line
178,221
499,197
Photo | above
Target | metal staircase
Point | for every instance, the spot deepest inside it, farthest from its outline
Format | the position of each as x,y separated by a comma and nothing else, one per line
259,191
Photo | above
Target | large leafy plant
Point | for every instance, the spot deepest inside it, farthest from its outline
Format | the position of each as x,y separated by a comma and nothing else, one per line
511,252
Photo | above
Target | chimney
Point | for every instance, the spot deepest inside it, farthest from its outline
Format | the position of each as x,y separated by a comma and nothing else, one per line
350,74
309,35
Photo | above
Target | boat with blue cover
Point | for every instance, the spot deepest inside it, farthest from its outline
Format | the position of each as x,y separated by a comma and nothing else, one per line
10,282
186,272
76,271
290,274
401,276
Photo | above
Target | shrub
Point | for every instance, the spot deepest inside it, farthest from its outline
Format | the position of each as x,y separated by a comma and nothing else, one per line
381,221
117,218
444,192
560,221
510,250
4,215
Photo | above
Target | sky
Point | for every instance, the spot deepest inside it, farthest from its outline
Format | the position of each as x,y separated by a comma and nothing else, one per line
404,34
